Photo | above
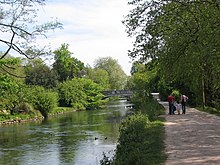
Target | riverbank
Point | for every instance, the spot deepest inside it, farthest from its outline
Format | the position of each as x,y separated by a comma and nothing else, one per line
36,116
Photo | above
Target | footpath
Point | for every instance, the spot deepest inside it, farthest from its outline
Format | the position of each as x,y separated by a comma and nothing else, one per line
193,138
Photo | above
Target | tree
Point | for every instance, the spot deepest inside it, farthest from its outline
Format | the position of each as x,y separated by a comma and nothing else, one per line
117,77
12,93
184,36
38,73
19,29
80,93
100,77
43,100
65,65
12,66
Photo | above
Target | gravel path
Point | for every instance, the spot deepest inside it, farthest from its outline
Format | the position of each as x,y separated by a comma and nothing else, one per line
193,138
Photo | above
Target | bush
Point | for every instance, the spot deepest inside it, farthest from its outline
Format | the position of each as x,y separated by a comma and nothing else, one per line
177,95
80,93
148,106
140,141
71,94
44,100
141,138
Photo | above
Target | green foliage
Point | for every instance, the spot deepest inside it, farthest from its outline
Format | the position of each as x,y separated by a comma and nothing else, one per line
9,61
141,139
210,110
183,36
25,108
71,94
93,93
39,74
117,77
9,92
140,142
177,95
43,100
58,110
99,76
148,105
12,66
80,93
67,67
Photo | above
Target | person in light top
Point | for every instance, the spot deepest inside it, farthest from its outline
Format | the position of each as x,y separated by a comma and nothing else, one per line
184,98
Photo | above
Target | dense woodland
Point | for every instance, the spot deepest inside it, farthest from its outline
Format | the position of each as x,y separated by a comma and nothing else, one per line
177,48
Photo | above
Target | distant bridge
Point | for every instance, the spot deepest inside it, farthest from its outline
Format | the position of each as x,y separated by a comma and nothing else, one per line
126,93
119,93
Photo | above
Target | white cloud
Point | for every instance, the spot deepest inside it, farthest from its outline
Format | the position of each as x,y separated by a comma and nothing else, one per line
92,28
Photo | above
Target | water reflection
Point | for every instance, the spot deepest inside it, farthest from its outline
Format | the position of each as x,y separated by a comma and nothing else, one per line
77,138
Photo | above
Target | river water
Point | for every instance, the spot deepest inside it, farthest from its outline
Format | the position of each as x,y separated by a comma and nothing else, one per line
77,138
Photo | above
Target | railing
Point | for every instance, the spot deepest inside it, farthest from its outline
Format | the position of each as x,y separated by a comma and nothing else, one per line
120,93
125,93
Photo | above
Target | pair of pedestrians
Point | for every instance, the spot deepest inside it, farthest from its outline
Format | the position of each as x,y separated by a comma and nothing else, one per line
173,105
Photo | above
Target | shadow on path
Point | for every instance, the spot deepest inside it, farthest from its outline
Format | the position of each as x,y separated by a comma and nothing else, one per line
193,138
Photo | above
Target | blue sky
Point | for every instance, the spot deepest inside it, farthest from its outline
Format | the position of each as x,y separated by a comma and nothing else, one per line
92,28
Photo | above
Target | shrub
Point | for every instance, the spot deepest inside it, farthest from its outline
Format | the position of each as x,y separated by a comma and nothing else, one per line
149,106
44,100
177,95
132,132
71,94
93,93
140,142
141,138
80,93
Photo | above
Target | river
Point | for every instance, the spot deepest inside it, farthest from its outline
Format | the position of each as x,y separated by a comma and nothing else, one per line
77,138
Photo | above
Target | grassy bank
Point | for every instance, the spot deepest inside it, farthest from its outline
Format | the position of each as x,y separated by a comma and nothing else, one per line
141,138
34,115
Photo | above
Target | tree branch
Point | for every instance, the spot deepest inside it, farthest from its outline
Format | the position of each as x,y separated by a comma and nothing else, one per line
11,73
15,27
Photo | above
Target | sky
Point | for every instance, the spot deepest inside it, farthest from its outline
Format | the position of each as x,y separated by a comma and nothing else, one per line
92,28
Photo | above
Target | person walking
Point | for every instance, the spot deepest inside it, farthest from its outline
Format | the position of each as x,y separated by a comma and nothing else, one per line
170,101
184,98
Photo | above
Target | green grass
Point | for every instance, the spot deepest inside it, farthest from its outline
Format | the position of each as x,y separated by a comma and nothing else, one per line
210,110
59,110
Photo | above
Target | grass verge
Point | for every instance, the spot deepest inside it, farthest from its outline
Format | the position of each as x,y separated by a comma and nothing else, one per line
210,110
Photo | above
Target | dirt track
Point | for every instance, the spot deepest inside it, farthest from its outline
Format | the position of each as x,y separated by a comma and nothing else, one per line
193,138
